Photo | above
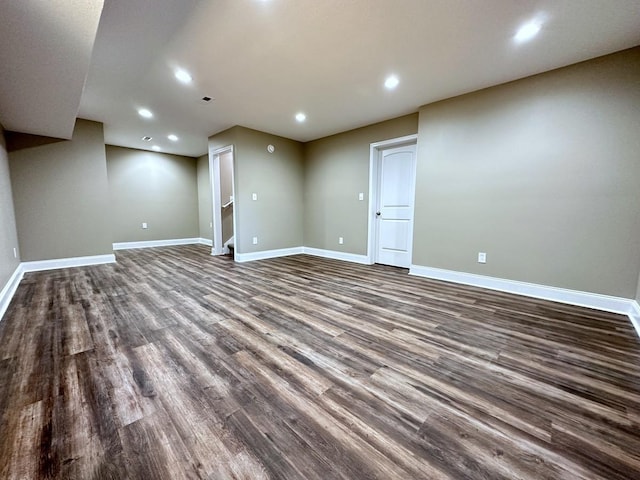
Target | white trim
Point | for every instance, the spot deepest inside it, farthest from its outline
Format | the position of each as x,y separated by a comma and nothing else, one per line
373,180
67,262
235,200
562,295
205,241
263,255
316,252
407,139
634,316
347,257
157,243
216,211
9,289
374,154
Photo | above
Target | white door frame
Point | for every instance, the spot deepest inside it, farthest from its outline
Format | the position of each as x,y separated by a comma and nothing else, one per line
375,150
216,201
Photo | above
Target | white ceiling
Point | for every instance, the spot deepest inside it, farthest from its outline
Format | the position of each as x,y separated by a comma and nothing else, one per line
265,60
45,50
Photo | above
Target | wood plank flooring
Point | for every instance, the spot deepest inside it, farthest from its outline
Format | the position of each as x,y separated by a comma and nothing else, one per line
172,364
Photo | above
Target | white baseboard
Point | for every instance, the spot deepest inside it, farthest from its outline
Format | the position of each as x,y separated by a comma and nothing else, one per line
205,241
347,257
317,252
6,294
596,301
158,243
282,252
634,315
67,262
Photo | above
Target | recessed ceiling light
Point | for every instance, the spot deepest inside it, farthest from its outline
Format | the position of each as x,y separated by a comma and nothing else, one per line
147,138
183,76
144,112
172,137
391,82
155,148
301,117
527,31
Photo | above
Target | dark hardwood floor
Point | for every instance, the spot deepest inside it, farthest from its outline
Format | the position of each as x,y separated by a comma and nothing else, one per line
174,364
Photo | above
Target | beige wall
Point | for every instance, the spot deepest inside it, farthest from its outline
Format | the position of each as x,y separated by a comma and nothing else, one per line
276,217
336,171
224,139
8,231
277,178
61,196
156,188
204,199
542,174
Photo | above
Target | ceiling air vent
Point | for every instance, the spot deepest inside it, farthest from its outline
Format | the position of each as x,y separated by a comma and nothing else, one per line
146,138
207,99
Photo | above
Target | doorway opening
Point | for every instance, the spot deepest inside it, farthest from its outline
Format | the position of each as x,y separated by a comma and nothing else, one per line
392,184
221,180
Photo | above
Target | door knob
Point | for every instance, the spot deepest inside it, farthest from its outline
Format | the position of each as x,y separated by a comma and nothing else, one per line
377,214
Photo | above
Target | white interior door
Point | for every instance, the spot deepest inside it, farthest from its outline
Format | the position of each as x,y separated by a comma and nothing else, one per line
394,212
